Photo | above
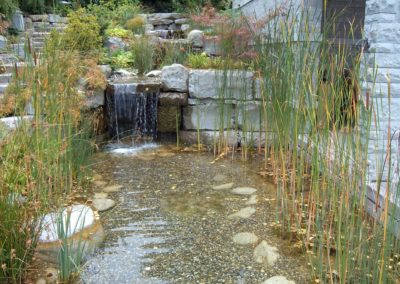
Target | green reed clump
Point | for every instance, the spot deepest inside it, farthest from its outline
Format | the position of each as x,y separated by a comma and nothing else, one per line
44,158
317,147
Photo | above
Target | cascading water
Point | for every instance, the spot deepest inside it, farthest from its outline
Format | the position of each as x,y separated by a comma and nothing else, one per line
131,109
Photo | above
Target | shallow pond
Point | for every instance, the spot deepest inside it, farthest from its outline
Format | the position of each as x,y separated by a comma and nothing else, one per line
177,220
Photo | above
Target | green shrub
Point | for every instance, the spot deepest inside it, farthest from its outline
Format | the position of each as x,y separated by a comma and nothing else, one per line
124,13
7,7
118,32
83,31
37,6
122,59
198,61
136,25
143,51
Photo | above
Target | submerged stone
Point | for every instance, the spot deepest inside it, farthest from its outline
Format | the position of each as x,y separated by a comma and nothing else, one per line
245,238
100,195
278,280
223,186
219,177
112,188
243,213
252,200
103,204
264,253
244,190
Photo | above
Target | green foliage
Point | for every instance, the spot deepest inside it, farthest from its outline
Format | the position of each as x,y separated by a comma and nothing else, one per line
7,7
118,32
122,59
38,6
83,31
170,53
143,51
136,25
198,61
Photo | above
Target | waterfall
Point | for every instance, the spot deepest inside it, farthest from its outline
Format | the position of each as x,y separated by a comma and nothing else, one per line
131,110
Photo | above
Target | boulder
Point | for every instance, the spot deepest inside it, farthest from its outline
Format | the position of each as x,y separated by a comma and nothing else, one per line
95,100
77,225
106,69
207,116
175,78
17,21
181,21
185,28
245,238
196,38
154,73
115,43
14,121
103,204
39,18
3,42
216,84
53,18
264,253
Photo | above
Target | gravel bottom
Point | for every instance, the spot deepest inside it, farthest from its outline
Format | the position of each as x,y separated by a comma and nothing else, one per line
171,226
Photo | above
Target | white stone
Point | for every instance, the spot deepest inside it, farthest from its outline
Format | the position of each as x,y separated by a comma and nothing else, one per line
112,188
252,200
245,238
115,43
196,38
244,190
250,116
264,253
244,213
106,69
72,219
154,73
223,186
17,21
14,121
185,27
175,78
383,33
208,116
232,84
278,280
100,195
103,204
381,6
385,60
3,42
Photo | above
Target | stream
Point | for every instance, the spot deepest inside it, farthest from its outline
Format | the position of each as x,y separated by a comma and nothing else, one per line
178,221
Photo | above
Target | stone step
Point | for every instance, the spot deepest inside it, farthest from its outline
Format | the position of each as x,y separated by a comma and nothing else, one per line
40,34
3,88
10,68
5,78
38,44
8,58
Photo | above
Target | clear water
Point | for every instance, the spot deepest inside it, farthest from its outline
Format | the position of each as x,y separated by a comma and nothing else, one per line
171,226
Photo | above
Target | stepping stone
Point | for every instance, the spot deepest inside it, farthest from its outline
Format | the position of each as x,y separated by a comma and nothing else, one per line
113,188
278,280
223,186
264,253
103,204
100,183
219,178
100,195
97,177
244,190
245,238
252,200
243,213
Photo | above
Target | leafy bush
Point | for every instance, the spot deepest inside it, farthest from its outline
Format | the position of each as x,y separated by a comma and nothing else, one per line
136,25
122,59
143,51
83,31
37,6
198,61
118,32
7,7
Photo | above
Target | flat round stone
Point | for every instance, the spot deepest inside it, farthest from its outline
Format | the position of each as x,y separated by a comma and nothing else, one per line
103,204
244,190
245,238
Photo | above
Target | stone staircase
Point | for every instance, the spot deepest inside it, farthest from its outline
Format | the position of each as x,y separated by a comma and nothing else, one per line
37,30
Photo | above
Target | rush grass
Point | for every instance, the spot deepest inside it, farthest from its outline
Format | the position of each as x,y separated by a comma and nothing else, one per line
320,162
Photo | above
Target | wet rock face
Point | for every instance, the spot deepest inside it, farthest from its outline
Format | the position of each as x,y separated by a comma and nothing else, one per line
173,99
131,108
